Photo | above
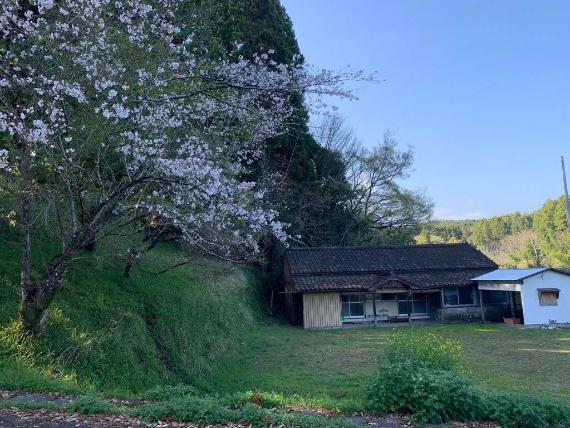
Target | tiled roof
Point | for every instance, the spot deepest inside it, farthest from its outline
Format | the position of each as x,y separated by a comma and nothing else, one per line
363,268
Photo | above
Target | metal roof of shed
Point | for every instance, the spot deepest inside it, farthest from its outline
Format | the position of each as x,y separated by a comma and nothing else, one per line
510,274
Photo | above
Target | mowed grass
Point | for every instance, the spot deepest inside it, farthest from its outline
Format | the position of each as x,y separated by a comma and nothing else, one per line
333,365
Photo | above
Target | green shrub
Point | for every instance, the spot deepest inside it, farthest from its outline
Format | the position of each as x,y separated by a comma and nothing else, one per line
90,405
513,410
186,409
421,374
428,395
424,348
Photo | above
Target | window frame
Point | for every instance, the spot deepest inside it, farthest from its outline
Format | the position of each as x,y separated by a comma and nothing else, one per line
459,304
397,301
362,299
553,291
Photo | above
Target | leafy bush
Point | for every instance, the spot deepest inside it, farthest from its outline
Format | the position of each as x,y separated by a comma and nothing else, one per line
429,395
512,410
186,409
425,349
421,374
90,405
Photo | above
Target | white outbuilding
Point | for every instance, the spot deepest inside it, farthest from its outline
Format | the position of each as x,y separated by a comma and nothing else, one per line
540,295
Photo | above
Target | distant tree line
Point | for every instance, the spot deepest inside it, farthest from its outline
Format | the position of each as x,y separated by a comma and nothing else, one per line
518,239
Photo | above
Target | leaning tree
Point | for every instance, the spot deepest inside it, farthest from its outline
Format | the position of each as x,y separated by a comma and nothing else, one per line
111,118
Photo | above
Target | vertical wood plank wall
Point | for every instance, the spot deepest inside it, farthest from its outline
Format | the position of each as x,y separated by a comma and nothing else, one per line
321,310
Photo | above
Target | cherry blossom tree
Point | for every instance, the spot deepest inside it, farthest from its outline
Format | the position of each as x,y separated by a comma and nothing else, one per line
114,119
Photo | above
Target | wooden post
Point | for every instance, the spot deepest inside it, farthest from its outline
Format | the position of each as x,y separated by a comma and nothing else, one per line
481,305
374,305
442,305
512,303
410,306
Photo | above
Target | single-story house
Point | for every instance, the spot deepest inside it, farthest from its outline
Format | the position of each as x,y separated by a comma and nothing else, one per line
543,294
328,287
336,286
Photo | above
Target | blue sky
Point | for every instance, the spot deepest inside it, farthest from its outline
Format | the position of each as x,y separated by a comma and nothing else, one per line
479,89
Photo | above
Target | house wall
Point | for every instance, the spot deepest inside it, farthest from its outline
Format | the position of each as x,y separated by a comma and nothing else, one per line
321,310
534,313
459,313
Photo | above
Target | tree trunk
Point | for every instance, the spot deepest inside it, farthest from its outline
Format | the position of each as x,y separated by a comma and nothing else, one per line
37,296
26,231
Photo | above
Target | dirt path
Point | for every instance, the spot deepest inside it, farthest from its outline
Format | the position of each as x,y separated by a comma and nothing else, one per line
14,418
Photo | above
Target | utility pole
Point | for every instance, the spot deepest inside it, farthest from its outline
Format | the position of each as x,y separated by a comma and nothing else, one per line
566,191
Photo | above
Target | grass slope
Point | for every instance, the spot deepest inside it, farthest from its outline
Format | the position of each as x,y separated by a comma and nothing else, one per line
123,336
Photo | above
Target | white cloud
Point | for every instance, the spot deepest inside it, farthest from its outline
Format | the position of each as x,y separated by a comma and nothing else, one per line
449,214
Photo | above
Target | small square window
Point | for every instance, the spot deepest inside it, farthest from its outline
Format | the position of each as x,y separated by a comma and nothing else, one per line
450,297
352,306
548,297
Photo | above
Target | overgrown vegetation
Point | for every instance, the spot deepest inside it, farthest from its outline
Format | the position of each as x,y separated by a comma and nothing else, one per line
421,374
210,410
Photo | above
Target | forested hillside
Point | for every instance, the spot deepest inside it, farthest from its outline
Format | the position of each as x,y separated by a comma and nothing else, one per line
516,240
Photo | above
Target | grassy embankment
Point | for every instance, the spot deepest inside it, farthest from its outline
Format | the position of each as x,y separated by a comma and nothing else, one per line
123,336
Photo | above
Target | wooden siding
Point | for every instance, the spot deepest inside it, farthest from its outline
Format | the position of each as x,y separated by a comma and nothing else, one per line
321,310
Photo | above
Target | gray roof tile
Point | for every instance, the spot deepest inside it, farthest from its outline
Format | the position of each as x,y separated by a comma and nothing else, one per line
361,268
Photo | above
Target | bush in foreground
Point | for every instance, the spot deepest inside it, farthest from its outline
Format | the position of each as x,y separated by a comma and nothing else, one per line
421,375
429,395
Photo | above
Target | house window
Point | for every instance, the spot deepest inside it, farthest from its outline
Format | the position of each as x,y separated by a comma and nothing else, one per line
387,296
416,305
548,296
495,297
352,305
458,296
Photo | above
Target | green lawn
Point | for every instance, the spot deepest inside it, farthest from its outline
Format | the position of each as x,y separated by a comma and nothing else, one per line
334,364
